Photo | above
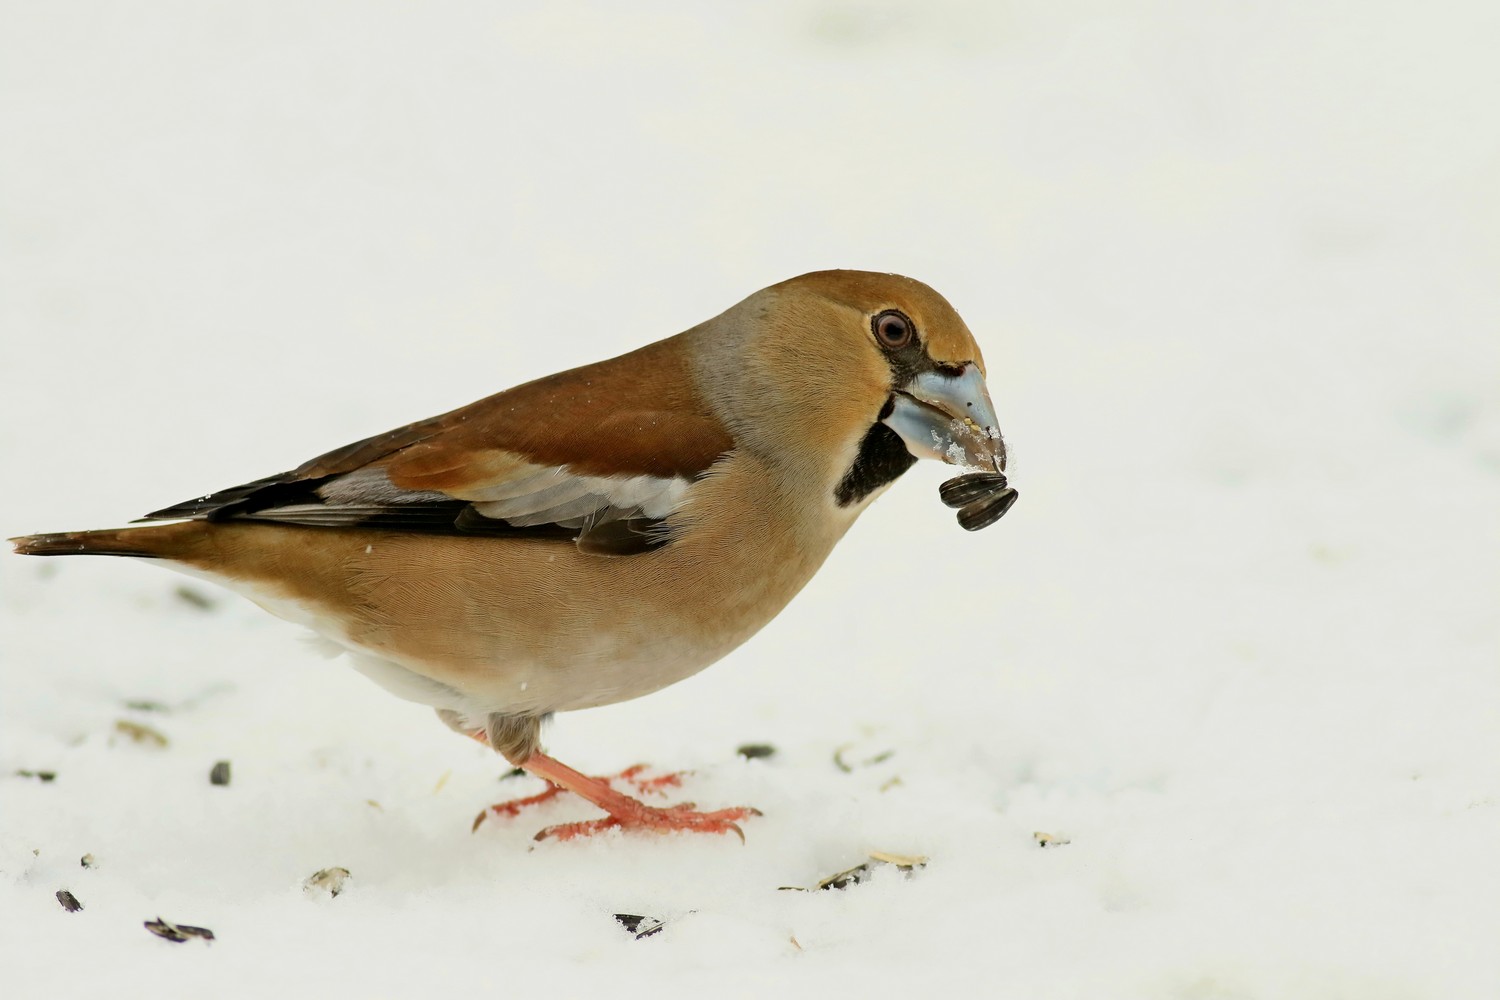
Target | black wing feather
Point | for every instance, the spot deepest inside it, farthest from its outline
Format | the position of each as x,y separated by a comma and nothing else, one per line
286,499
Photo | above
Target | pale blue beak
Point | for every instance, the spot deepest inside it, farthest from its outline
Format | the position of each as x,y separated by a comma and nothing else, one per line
949,417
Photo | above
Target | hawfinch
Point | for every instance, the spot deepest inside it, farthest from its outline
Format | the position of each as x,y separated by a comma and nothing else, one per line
598,534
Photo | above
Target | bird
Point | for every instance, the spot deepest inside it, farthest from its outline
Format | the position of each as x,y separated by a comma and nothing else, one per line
598,534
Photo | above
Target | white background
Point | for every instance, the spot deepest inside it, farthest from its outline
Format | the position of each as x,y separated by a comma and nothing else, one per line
1234,270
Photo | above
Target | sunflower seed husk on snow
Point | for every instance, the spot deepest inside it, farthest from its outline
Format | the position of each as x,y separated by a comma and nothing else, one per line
330,880
906,863
177,933
140,733
641,927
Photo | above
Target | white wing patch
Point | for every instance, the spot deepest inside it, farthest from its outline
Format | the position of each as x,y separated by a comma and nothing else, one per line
579,501
605,515
537,496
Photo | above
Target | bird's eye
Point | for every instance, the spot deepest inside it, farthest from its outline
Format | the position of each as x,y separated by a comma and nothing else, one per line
893,330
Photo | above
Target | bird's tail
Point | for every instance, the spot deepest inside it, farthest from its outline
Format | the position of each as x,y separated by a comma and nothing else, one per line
164,541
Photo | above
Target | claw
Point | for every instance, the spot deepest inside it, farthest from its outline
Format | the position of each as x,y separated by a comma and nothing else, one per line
586,828
514,806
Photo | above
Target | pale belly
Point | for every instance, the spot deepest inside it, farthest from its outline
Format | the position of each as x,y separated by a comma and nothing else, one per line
527,627
445,622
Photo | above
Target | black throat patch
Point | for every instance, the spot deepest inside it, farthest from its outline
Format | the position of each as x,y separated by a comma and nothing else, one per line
882,458
882,454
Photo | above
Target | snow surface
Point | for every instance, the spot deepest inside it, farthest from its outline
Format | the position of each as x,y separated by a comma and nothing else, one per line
1234,270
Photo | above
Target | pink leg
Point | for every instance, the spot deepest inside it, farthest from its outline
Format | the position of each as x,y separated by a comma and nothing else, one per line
512,807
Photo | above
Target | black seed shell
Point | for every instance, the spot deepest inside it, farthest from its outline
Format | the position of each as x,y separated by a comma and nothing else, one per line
983,513
964,490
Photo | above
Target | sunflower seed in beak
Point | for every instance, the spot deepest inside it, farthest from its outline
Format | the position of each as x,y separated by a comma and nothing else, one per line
985,512
964,490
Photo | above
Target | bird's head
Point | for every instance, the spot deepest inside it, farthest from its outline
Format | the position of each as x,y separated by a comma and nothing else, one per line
852,376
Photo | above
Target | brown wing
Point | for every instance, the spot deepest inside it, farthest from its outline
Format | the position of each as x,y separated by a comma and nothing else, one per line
600,454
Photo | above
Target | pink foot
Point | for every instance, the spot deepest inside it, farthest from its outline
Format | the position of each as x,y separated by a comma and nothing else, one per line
625,813
653,820
631,776
648,786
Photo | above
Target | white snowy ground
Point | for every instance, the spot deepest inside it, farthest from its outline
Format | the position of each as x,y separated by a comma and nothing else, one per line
1234,269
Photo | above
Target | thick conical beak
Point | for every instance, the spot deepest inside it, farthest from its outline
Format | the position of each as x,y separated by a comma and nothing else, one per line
949,417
